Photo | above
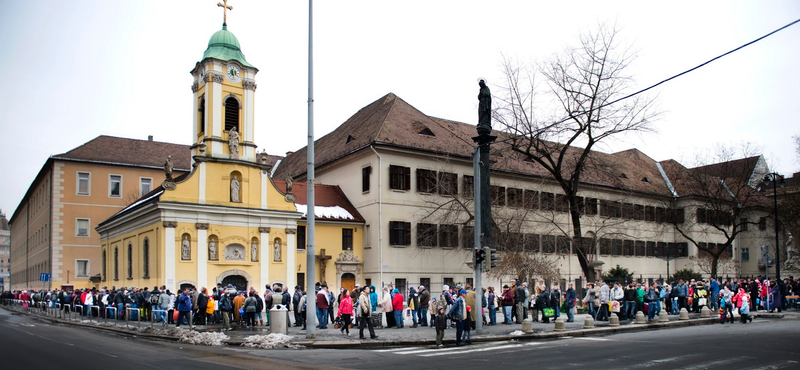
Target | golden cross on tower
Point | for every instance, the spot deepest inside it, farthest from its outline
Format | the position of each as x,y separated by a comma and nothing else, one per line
225,7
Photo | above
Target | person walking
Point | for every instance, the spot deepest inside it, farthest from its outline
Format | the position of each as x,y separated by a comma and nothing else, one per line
345,311
589,299
184,308
365,310
569,302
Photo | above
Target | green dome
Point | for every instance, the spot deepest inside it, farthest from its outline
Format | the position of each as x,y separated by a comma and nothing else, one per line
223,45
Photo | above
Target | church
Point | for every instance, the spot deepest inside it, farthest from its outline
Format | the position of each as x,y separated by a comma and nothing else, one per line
227,221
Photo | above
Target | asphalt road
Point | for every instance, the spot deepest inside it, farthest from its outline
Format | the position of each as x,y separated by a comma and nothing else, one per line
764,344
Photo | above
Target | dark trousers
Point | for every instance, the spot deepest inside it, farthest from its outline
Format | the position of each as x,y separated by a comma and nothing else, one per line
181,316
297,315
251,319
346,323
365,321
390,322
460,331
682,303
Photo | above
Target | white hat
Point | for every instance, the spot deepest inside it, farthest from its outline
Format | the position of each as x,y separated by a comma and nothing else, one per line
445,287
421,287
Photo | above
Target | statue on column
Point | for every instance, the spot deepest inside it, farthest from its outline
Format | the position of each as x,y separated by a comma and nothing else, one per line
233,142
484,109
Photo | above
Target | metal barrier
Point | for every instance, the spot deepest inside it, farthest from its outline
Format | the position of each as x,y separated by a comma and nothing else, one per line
80,313
91,308
128,315
115,314
153,316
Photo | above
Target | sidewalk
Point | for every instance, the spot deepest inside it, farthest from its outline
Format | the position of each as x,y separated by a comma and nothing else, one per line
407,336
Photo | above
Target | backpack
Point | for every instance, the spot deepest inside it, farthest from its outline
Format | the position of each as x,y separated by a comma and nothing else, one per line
154,299
225,304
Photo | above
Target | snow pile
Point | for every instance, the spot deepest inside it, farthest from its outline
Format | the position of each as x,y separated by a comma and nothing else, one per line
274,340
206,339
517,332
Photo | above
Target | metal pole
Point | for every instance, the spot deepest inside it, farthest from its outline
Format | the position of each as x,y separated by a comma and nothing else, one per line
311,302
476,266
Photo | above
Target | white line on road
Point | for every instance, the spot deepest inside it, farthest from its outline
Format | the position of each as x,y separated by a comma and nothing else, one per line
706,365
449,351
781,365
662,361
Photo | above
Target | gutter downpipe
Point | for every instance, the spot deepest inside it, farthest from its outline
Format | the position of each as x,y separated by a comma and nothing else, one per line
380,212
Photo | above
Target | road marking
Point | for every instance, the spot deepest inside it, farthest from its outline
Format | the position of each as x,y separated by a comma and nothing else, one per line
26,324
662,361
450,351
706,365
776,366
595,339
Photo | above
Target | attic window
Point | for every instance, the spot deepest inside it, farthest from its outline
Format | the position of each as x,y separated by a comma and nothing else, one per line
427,132
349,139
623,176
644,179
528,159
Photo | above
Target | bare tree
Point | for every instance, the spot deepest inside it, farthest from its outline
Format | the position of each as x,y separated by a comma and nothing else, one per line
723,202
726,265
582,83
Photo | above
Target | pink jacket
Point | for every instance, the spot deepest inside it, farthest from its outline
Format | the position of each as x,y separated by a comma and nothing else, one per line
346,306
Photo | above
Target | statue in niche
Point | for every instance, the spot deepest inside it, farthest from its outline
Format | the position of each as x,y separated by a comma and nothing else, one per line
277,251
234,252
234,190
233,142
254,251
186,248
212,249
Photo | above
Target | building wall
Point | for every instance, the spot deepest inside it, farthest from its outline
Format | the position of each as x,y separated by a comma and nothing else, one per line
5,255
31,235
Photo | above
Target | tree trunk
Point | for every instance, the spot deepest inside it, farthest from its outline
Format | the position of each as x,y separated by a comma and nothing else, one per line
577,240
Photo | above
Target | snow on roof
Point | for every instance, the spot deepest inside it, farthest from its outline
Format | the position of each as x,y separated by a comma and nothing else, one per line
334,212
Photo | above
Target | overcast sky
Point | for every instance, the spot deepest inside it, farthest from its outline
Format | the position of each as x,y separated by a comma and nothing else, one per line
76,70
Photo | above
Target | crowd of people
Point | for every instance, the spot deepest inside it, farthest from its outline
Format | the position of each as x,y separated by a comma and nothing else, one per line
455,307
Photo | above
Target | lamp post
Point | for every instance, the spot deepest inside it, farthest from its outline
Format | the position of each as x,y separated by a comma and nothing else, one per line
775,179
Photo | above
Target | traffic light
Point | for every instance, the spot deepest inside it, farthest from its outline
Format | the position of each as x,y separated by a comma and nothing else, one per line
490,254
480,256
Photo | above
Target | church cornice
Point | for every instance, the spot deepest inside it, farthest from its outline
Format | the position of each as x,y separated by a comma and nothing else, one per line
240,162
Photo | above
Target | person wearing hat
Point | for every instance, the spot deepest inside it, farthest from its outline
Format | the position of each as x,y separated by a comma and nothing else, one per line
507,301
413,304
424,301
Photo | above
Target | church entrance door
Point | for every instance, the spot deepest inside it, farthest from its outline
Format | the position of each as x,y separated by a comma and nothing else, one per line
238,281
348,281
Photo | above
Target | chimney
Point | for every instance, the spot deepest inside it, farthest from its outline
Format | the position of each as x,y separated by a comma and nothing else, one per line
149,137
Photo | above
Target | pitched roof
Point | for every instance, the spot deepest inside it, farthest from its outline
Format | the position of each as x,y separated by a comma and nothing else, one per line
392,121
330,203
133,152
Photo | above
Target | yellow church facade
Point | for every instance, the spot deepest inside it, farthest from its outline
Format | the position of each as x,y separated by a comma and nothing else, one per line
227,221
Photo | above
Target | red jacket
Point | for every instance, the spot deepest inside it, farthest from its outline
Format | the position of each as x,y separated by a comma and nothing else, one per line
346,306
322,299
397,302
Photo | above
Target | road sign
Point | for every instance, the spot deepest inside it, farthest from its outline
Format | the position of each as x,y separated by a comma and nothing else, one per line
44,276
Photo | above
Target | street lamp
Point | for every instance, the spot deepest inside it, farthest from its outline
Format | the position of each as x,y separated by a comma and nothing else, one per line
775,179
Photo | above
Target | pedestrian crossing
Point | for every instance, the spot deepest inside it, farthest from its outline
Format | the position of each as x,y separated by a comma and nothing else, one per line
450,350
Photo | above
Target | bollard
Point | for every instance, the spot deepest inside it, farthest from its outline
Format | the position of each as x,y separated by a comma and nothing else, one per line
640,318
684,314
527,326
705,313
662,316
613,320
559,325
588,322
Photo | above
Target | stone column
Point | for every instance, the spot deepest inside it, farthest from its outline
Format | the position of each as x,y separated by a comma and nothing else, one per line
169,254
291,254
202,254
264,259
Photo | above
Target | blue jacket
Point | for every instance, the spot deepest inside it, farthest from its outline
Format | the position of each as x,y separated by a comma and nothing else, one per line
184,302
457,310
569,298
682,290
714,288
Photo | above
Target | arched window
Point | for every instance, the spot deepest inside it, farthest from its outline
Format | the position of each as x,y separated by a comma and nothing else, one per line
231,113
130,261
201,116
146,258
103,271
116,263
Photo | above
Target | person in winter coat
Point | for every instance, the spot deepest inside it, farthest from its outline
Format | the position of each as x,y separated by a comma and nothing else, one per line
651,299
542,302
741,301
364,311
569,302
413,304
493,307
184,307
458,313
507,301
588,299
440,322
345,311
555,300
250,307
424,301
726,304
605,296
397,308
387,308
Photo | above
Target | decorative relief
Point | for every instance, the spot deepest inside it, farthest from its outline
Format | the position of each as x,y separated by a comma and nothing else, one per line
289,197
216,78
201,226
263,229
234,252
291,231
195,87
249,85
347,256
172,224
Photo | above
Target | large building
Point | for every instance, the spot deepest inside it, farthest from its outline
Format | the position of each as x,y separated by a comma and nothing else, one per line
5,252
52,229
227,221
415,195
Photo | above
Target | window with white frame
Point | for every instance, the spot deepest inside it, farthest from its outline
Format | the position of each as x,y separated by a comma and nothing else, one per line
81,268
83,183
82,227
114,185
145,185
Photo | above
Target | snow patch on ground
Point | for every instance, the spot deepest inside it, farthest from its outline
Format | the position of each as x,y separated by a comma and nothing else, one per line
274,340
517,332
206,339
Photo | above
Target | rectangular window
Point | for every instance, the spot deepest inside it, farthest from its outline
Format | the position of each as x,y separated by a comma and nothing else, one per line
400,285
762,224
469,187
426,282
591,206
301,237
651,249
426,235
365,173
448,236
114,185
605,246
532,243
347,239
399,233
562,204
514,197
83,183
82,227
448,183
640,248
638,212
467,237
627,247
743,224
399,178
616,247
548,202
548,243
145,185
81,268
531,199
426,181
498,194
745,254
448,281
649,213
